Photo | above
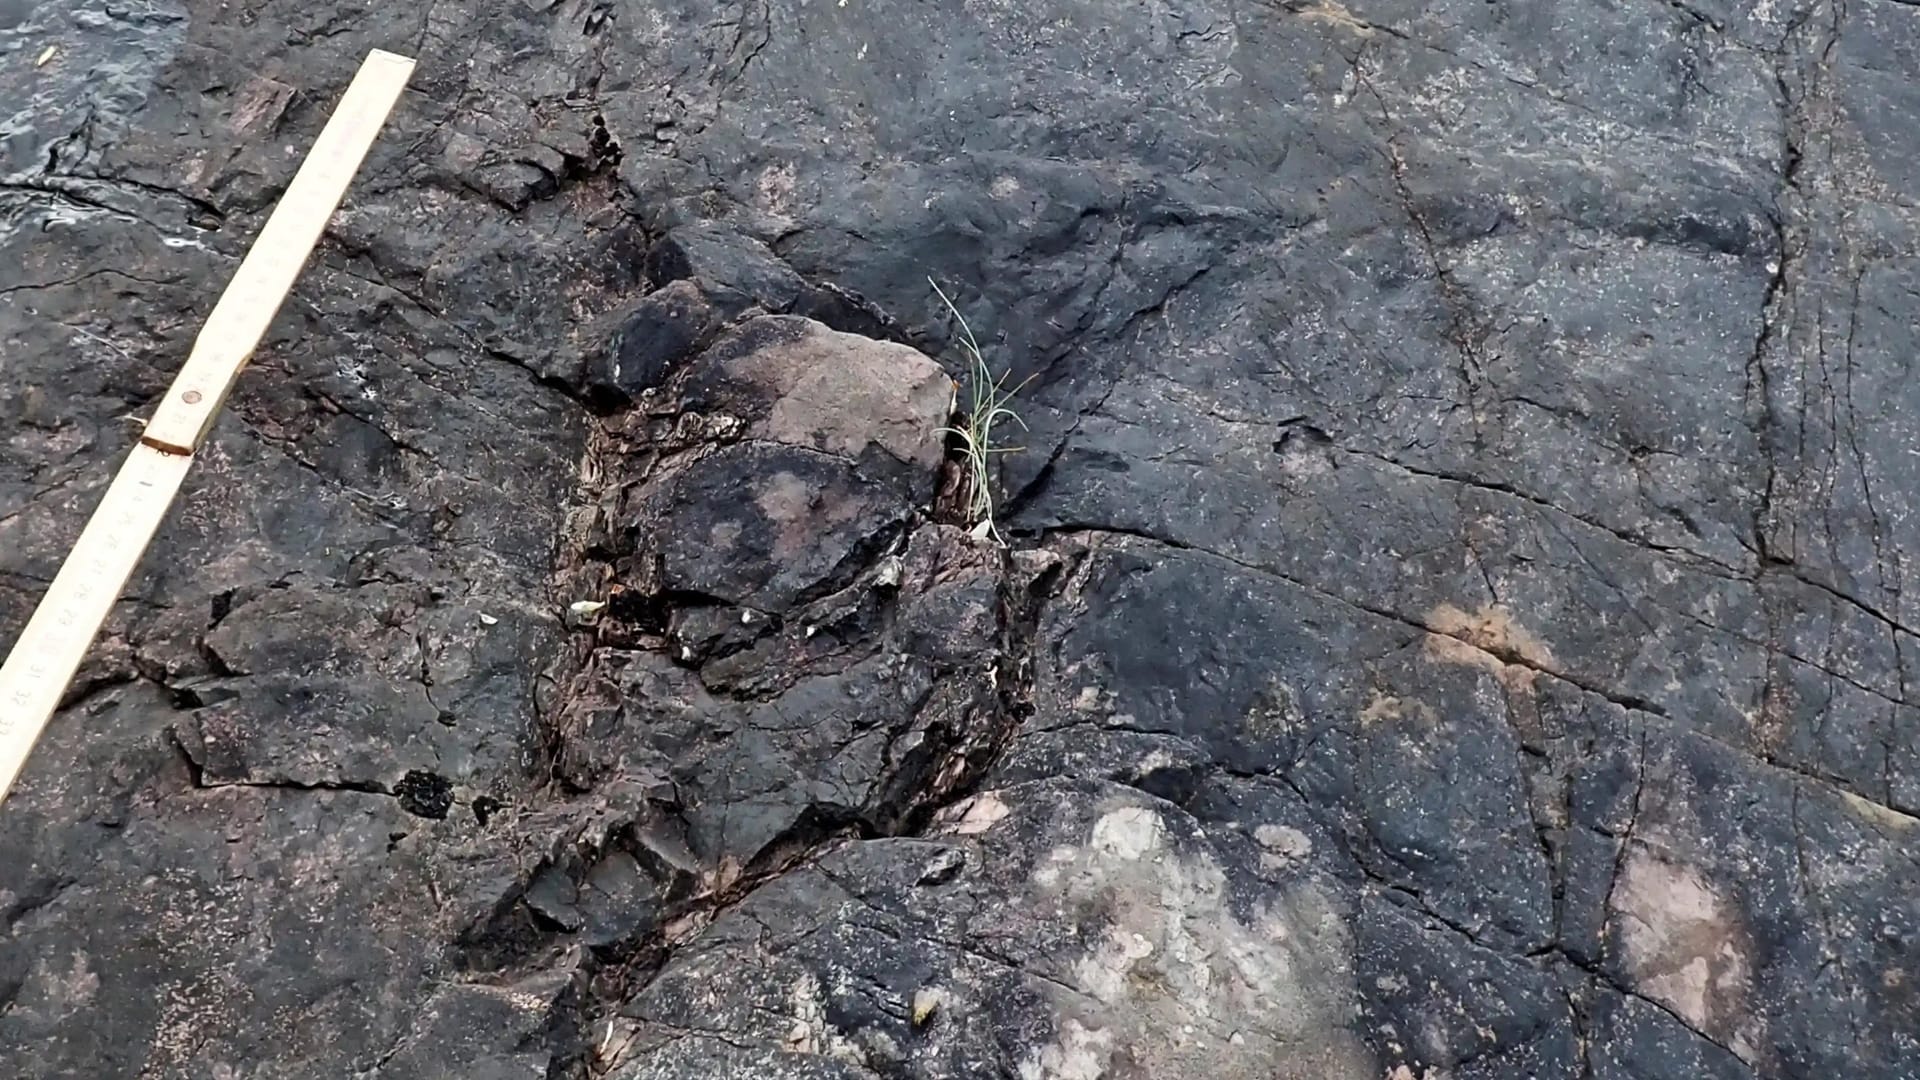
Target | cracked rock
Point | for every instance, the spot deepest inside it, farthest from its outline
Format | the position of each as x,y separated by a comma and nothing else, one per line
1460,615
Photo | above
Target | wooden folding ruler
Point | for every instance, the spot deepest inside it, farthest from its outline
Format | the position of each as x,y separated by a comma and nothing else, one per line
49,652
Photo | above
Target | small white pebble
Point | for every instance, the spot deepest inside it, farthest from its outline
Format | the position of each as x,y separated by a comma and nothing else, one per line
488,620
926,1001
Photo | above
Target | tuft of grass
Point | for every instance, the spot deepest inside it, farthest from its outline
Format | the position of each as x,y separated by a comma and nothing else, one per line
987,401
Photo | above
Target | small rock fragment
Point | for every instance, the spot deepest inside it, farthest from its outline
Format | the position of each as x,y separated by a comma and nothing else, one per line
926,1002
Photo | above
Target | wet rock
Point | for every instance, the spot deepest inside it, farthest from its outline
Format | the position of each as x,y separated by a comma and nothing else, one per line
838,440
1436,1004
795,382
820,725
489,1031
1458,619
1169,962
738,272
825,654
664,328
398,685
1633,1038
763,525
614,900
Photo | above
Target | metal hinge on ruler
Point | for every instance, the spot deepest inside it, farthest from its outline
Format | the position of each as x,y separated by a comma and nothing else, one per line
62,629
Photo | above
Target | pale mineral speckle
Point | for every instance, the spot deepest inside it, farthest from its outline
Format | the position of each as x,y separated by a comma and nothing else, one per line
1281,845
976,815
1686,946
1177,971
1080,1053
1131,832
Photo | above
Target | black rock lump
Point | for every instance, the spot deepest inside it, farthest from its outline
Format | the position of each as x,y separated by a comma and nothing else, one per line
1455,623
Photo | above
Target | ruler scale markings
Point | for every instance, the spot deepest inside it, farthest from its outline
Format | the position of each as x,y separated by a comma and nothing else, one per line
50,650
55,641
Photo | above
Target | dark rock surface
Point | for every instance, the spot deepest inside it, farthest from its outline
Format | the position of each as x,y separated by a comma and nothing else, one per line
1456,623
